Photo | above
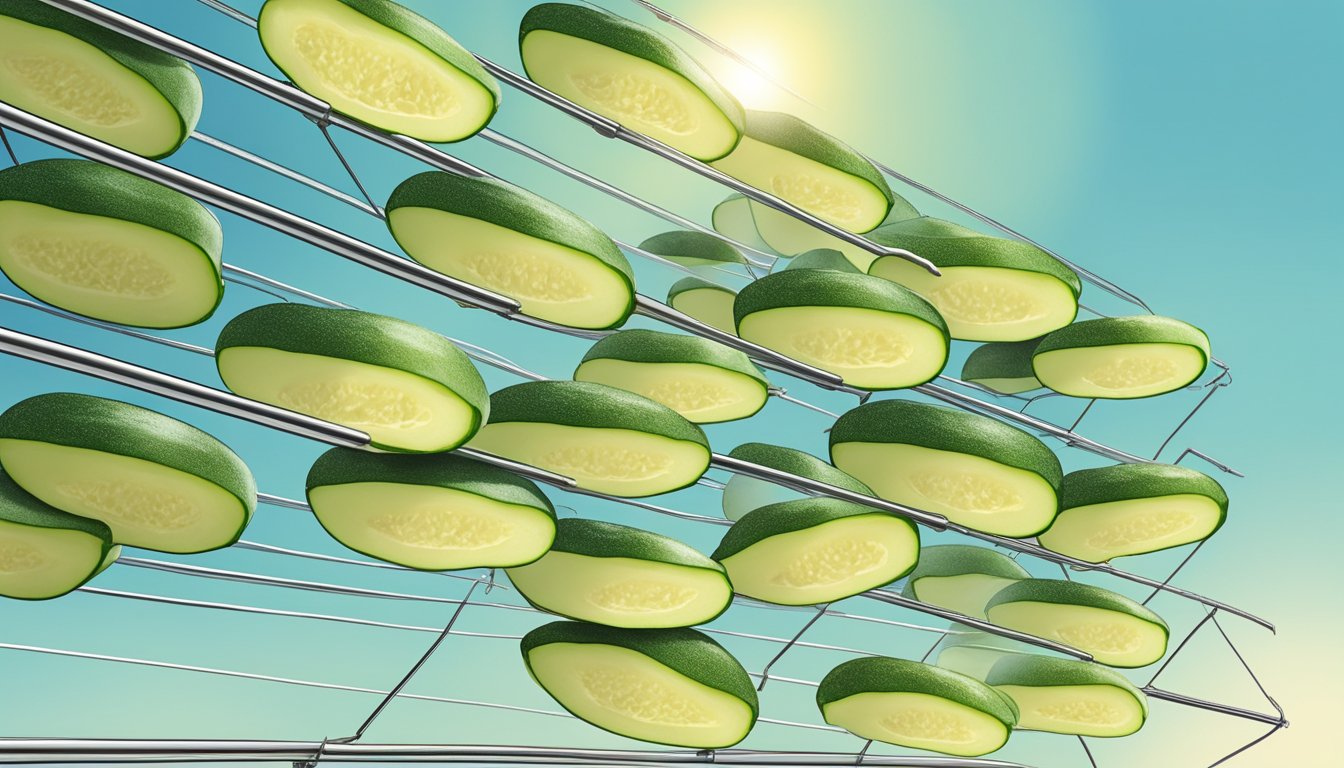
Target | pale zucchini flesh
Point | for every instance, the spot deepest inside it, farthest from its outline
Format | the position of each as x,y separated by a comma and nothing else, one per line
42,563
702,393
623,591
868,348
790,237
1119,371
399,410
742,494
72,82
430,527
551,281
623,462
374,73
146,504
1099,532
971,490
1080,710
974,661
987,303
1113,638
733,219
918,721
1009,386
106,268
826,562
711,306
966,594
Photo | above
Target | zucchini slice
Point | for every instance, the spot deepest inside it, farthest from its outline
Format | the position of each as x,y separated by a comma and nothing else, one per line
732,218
157,482
820,258
991,289
816,550
1121,358
44,552
916,705
669,686
790,237
710,303
95,81
631,74
701,379
1069,697
975,470
792,160
873,333
742,494
381,64
974,653
624,577
107,244
505,239
1002,366
693,249
432,512
1117,631
1131,509
607,439
409,388
961,578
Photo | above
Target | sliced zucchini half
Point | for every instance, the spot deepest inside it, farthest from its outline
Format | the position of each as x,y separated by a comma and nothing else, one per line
794,161
1069,697
742,494
380,63
710,303
701,379
974,653
790,237
624,577
1002,366
409,388
916,705
732,218
991,289
669,686
44,552
693,249
820,258
95,81
973,469
961,578
816,550
1117,631
631,74
156,482
871,332
1131,509
432,512
505,239
107,244
1122,358
607,439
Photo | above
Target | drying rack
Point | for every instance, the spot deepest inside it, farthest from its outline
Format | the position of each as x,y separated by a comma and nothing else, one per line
948,390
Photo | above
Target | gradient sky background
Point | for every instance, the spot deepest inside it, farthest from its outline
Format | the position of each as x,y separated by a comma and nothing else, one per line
1186,150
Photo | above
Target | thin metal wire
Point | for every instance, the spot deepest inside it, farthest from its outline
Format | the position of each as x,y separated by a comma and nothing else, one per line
282,170
765,672
9,150
322,125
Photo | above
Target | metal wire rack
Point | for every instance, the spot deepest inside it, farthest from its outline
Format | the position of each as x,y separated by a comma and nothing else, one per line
352,748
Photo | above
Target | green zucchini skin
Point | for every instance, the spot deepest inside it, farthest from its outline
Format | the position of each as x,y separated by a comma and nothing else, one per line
172,77
361,337
603,28
826,288
789,516
94,189
1064,592
961,559
343,466
1033,670
822,258
1001,360
692,245
596,538
880,674
1139,329
947,429
111,426
586,404
691,653
22,508
695,283
1122,482
950,245
799,463
645,346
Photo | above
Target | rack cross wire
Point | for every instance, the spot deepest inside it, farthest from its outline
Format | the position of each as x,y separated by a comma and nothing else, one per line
350,748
